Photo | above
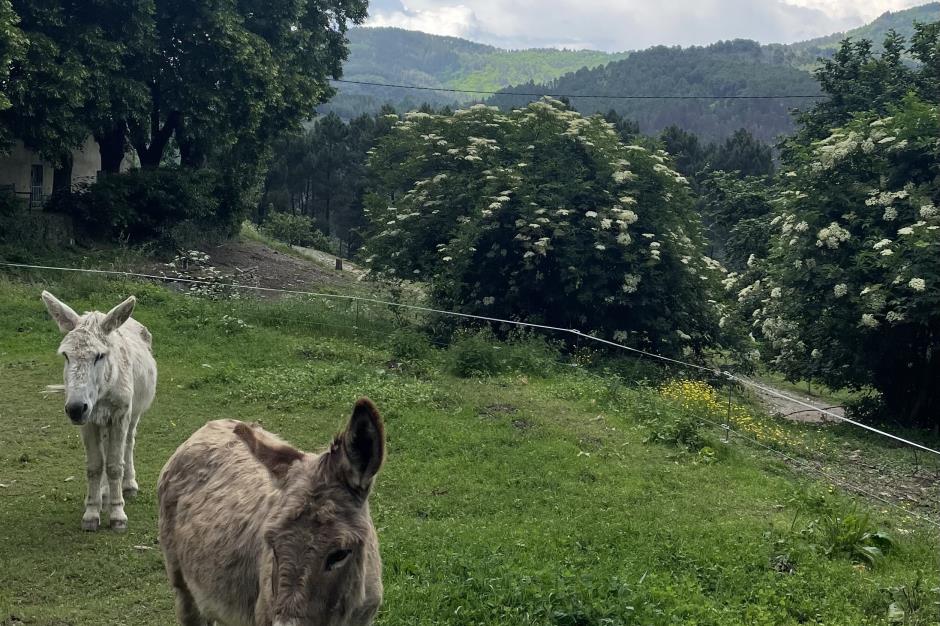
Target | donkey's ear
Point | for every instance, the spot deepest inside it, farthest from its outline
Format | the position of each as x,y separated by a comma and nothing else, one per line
118,315
363,445
277,457
64,316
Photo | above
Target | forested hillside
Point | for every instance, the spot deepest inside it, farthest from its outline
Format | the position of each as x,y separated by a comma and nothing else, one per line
805,53
741,67
734,68
393,55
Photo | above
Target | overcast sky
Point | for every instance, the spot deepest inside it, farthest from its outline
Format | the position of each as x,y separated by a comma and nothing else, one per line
616,25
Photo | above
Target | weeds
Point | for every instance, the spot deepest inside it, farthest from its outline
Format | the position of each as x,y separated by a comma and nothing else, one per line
853,536
683,432
914,604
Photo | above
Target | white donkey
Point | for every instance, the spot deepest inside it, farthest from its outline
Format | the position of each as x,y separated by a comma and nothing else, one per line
110,380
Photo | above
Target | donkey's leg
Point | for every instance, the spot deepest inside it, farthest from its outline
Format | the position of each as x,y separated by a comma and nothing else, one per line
114,466
94,467
130,486
104,435
187,613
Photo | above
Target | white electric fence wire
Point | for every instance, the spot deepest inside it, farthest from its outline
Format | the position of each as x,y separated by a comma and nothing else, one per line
716,372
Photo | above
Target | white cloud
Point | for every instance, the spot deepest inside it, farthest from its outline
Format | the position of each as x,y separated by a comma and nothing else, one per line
451,21
629,24
856,11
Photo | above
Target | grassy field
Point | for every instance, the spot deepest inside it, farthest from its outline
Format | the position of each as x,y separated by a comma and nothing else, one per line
529,496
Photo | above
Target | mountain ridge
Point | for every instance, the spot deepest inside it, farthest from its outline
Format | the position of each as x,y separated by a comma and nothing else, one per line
735,67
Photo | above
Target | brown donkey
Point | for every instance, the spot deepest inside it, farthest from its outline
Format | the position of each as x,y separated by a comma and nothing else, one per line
257,533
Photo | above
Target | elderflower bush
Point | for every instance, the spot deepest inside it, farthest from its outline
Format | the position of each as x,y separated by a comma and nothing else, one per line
543,214
859,285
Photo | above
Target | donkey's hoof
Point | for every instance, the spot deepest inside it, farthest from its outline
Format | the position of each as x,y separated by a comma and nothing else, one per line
129,493
90,524
119,525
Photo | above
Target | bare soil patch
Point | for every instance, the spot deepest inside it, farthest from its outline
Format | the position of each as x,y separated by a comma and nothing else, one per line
913,484
253,263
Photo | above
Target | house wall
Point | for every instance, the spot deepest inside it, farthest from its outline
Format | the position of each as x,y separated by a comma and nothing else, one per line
16,166
86,161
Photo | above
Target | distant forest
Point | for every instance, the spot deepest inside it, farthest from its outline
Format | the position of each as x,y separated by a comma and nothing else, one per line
734,68
740,67
392,55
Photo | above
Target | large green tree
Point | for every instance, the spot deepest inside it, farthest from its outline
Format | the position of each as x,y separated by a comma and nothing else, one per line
737,213
237,73
12,45
544,215
848,291
857,79
47,83
210,77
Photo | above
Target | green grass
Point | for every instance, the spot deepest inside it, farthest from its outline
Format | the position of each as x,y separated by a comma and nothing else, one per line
524,497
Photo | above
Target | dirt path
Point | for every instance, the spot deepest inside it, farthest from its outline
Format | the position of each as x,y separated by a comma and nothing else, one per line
329,261
907,482
795,411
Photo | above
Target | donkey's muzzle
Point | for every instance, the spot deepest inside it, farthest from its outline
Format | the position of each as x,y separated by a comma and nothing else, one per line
77,412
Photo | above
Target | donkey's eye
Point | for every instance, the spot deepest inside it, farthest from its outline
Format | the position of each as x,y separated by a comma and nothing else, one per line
336,558
98,357
66,357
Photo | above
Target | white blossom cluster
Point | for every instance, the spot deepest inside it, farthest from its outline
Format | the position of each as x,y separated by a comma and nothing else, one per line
831,236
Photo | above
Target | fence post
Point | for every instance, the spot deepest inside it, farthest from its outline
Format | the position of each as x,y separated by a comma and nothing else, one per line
727,424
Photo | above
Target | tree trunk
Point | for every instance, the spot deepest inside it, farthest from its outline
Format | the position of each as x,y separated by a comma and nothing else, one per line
112,144
307,210
151,155
326,220
191,155
150,145
920,409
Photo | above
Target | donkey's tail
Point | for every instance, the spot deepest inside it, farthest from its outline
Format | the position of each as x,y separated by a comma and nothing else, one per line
52,390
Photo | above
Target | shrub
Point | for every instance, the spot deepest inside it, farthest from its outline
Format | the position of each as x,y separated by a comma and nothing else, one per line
474,353
296,230
544,215
9,204
195,265
291,229
683,431
409,345
867,407
530,353
849,293
177,208
320,241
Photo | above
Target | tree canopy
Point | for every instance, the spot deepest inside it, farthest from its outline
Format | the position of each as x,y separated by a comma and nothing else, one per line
544,215
212,78
847,292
